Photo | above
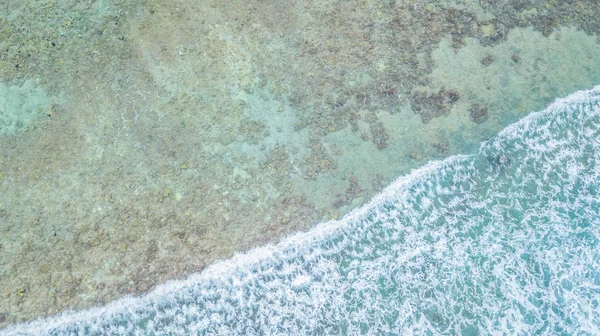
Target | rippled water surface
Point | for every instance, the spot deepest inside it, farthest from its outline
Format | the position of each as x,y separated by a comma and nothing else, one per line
254,148
501,241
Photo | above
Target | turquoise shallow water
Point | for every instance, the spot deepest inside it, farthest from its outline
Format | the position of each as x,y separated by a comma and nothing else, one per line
504,241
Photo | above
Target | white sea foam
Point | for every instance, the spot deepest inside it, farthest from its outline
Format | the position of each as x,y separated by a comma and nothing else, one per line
502,241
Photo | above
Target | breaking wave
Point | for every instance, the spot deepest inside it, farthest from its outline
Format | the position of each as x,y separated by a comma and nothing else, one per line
504,241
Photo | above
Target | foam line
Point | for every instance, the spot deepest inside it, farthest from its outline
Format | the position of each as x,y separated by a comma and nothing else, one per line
224,268
398,193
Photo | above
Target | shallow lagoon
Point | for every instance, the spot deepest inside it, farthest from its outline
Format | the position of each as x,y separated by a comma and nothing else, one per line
147,140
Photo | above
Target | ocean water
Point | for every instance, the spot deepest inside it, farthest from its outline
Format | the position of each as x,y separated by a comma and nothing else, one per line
504,241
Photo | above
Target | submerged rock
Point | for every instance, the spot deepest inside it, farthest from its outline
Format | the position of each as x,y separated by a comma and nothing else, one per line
479,114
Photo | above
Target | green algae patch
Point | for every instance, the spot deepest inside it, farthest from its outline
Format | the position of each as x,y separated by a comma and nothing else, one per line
21,107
